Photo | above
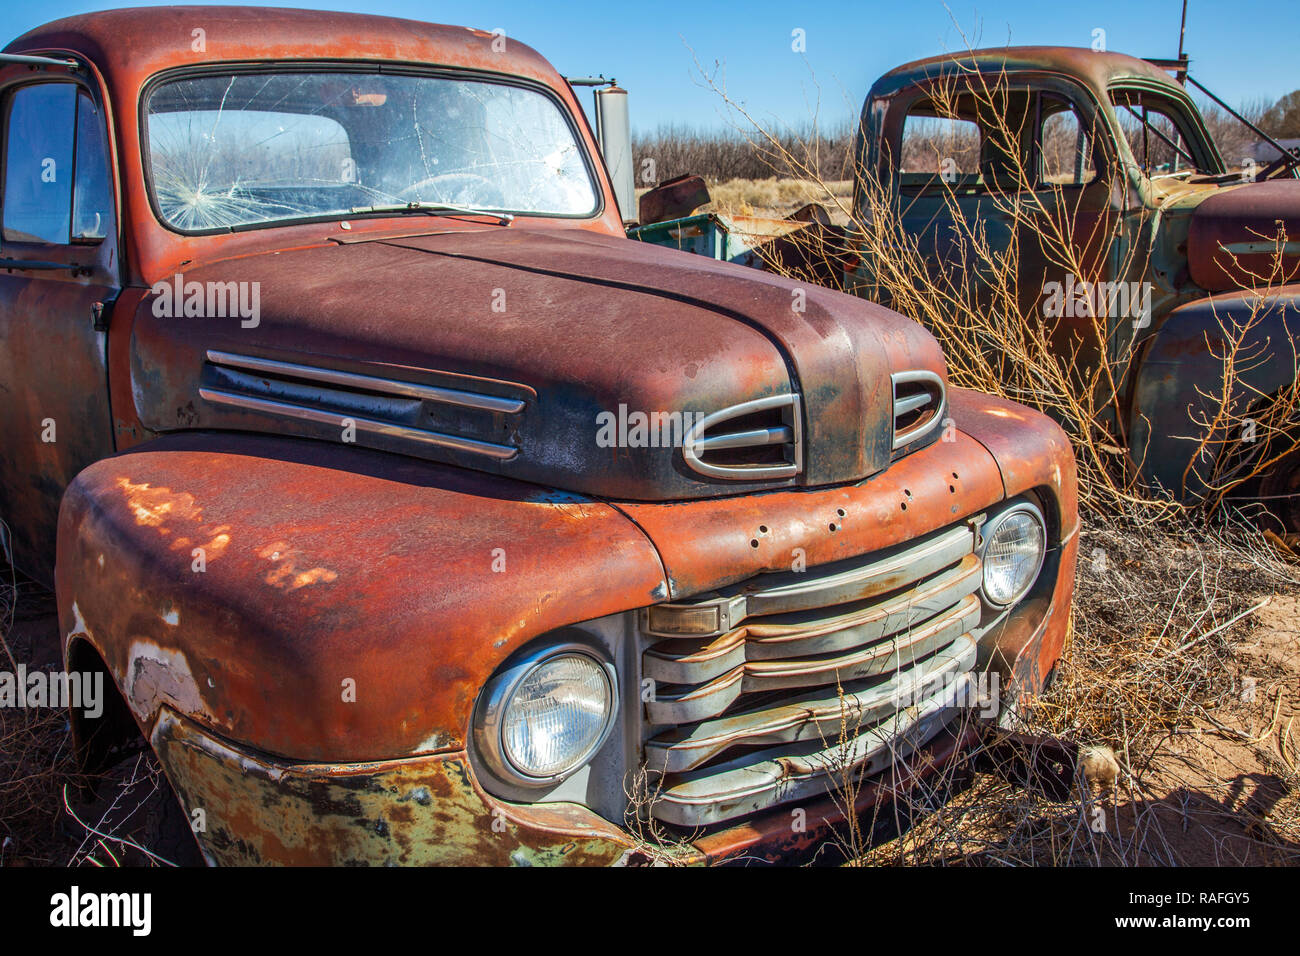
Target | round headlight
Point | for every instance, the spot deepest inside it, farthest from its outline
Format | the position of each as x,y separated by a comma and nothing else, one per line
546,715
1014,545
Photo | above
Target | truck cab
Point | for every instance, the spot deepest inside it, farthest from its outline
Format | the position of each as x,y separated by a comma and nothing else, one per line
417,515
1141,246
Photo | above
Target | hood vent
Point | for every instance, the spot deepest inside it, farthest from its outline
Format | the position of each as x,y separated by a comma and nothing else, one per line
389,412
762,439
919,399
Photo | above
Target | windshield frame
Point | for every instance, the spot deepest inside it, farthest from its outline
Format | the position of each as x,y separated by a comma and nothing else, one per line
1183,108
378,67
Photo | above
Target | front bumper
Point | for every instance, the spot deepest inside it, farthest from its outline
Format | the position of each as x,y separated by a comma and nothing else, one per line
430,811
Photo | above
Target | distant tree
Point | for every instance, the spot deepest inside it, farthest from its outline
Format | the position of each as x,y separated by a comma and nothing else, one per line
1282,119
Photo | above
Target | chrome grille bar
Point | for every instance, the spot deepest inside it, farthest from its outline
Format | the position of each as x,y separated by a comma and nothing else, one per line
810,716
371,383
365,425
741,709
758,781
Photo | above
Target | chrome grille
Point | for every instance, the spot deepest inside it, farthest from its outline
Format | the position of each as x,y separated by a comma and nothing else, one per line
747,716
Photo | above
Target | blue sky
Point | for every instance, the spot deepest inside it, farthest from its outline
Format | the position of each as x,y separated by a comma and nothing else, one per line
1243,49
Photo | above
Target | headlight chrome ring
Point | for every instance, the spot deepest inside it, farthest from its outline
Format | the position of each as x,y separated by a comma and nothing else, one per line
528,707
1012,552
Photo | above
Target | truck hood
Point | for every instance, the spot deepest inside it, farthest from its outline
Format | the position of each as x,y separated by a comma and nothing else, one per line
562,357
1231,236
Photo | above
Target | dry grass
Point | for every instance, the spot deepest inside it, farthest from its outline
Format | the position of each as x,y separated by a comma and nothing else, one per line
776,197
35,747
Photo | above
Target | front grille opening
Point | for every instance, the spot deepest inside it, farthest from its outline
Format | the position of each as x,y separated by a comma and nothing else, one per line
388,413
909,420
752,441
918,404
778,454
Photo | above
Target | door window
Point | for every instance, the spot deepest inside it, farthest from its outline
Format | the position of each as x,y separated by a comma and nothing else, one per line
57,183
1065,148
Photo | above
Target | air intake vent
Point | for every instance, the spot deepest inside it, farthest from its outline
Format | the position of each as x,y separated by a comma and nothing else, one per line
752,441
918,406
386,411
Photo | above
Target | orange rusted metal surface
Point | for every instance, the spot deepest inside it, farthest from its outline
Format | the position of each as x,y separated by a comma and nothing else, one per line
324,565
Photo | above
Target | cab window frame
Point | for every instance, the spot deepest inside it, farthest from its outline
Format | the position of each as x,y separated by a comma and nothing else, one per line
1086,107
81,89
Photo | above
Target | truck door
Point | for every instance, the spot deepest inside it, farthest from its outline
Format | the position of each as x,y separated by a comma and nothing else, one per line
58,277
946,179
1068,257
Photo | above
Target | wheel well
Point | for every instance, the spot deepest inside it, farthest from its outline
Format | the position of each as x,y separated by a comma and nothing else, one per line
101,741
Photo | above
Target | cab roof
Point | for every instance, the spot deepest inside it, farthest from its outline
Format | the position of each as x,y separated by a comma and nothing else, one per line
130,44
1096,70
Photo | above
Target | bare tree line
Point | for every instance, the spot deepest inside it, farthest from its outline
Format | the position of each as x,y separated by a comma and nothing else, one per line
720,155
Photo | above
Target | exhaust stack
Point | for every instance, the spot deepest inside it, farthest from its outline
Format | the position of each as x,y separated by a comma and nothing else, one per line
614,134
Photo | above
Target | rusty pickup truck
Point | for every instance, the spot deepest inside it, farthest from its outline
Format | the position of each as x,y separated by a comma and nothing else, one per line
417,515
1183,250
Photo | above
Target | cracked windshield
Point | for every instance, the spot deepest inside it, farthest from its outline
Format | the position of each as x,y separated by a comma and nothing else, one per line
236,150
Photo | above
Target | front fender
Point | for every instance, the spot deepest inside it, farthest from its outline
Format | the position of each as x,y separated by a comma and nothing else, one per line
326,603
1178,381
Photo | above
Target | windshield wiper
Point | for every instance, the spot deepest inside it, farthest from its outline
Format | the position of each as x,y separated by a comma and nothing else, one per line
503,218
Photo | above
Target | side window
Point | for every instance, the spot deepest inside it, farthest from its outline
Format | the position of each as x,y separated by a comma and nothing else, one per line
938,151
38,163
969,141
57,184
92,193
1065,148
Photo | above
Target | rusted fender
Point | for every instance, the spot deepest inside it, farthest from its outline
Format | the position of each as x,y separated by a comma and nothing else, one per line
1182,368
1032,452
1230,239
1030,449
324,565
991,450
